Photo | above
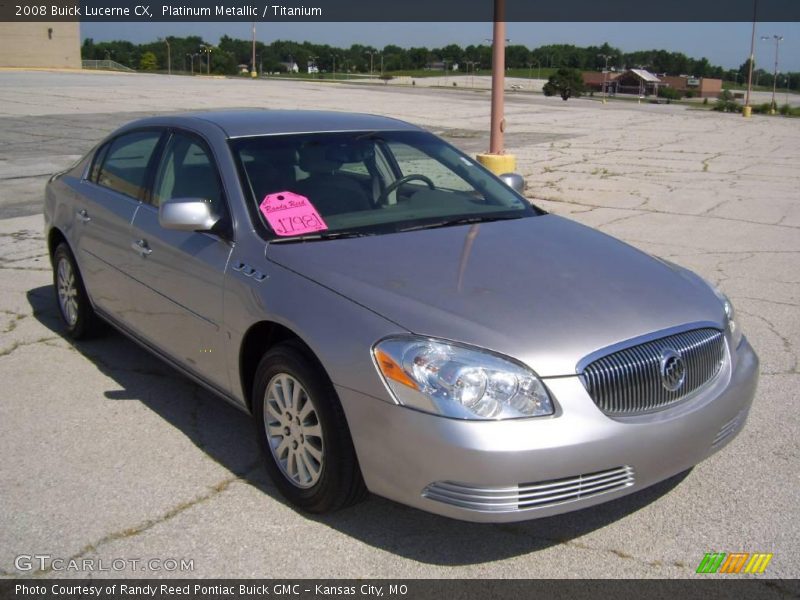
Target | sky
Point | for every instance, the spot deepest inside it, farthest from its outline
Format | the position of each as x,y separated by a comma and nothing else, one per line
724,44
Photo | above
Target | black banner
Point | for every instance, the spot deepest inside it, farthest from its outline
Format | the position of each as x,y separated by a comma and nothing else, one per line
713,588
399,10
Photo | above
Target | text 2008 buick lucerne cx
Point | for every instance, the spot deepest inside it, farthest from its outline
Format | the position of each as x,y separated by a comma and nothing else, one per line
394,316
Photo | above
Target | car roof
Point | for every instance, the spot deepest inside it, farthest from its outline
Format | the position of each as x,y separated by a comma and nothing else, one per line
253,122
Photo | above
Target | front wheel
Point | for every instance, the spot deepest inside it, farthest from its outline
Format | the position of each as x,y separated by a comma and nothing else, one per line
303,432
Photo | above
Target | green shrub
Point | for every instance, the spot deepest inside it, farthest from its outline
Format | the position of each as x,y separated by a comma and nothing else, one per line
669,93
762,109
565,83
726,103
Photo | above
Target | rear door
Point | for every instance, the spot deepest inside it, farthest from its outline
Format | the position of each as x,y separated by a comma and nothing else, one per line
182,273
110,196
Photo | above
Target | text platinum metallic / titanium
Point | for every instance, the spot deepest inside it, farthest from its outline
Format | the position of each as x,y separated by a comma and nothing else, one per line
275,10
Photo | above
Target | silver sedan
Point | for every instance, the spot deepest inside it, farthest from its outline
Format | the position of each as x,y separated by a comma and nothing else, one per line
395,317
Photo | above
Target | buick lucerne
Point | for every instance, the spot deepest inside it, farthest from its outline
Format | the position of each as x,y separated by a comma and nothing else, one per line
395,317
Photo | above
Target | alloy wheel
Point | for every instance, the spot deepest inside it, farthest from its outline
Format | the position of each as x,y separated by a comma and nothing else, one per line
67,292
294,431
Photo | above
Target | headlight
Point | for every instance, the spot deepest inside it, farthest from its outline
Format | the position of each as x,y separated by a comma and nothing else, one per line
454,381
731,325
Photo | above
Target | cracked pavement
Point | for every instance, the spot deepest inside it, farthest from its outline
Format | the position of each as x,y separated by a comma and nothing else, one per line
109,453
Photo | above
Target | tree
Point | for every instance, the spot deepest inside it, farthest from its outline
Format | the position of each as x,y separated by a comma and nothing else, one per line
566,83
148,62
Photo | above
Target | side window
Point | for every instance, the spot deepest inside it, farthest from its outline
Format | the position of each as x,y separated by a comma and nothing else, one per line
97,162
188,171
124,168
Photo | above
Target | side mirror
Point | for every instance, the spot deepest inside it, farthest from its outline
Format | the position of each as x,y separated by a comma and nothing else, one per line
187,214
515,182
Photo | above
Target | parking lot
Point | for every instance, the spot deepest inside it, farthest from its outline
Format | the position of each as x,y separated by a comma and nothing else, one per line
107,453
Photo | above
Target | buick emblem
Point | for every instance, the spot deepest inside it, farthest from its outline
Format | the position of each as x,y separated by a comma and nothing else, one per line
673,370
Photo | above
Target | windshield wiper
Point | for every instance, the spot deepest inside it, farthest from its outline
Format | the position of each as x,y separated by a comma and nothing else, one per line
460,221
320,236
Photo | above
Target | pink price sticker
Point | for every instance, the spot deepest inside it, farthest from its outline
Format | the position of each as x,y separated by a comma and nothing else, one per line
291,214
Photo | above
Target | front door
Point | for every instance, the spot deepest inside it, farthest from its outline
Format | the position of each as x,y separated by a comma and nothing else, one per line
182,273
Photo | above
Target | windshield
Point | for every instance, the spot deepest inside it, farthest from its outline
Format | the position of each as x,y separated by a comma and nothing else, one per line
357,183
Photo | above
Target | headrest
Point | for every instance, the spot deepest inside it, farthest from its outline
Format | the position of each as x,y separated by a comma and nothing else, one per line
350,152
313,159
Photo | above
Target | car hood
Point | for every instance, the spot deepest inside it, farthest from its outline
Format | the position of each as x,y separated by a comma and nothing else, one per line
544,290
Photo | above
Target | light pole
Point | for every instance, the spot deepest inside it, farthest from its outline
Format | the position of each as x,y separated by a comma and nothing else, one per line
253,72
471,64
372,54
208,60
778,39
169,56
605,73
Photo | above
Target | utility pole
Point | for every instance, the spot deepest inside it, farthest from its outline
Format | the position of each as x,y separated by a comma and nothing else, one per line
747,110
496,160
498,124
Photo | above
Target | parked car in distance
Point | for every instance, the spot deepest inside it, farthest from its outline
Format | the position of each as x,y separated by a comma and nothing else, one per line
394,317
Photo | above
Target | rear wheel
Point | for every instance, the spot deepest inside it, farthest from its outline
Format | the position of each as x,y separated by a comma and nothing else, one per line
303,432
73,303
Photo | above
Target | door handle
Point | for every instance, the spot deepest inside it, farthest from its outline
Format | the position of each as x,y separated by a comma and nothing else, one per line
83,216
141,247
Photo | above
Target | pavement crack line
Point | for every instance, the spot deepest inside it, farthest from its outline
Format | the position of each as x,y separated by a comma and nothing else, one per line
787,344
616,552
17,345
144,526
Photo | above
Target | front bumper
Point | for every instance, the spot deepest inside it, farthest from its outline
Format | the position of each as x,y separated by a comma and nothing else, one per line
502,471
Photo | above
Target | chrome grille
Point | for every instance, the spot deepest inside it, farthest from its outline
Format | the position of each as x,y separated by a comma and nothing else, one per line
629,381
526,496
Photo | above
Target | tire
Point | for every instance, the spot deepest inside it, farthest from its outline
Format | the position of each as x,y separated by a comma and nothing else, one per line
303,432
74,306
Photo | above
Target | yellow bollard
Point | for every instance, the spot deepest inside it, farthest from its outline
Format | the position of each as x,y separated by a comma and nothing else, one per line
747,111
254,74
498,163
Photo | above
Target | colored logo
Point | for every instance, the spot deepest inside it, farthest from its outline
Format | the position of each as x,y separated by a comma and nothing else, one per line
735,562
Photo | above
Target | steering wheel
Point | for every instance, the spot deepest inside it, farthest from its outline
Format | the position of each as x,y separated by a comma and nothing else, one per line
403,180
